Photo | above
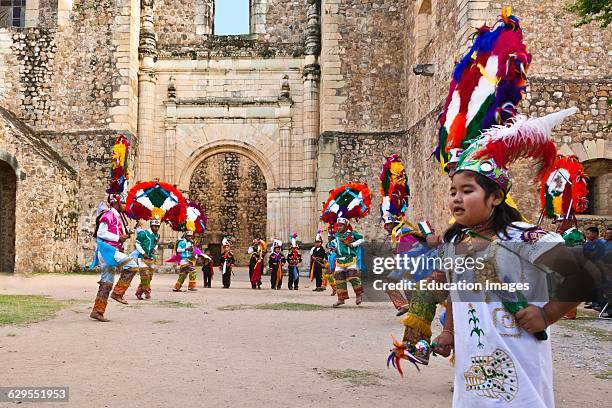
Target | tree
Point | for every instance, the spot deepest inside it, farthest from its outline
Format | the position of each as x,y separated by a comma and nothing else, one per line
593,10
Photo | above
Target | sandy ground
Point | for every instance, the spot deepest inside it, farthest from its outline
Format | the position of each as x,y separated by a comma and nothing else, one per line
153,355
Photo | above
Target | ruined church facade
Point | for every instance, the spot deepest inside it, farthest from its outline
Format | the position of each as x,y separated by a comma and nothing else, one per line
256,127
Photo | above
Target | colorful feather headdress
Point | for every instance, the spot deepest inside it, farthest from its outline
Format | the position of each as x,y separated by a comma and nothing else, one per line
155,199
119,168
195,219
564,191
499,146
393,188
352,200
294,237
486,86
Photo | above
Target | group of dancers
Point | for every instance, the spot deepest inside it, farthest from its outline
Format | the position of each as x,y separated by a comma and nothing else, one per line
499,339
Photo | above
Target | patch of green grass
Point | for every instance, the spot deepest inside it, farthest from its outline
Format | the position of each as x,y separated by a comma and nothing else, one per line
276,306
174,304
357,378
581,324
605,375
162,321
26,309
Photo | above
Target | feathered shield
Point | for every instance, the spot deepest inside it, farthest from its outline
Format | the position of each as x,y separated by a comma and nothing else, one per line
195,219
156,200
564,191
352,200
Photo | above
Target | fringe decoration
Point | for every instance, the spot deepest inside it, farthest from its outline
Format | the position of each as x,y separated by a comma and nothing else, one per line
417,323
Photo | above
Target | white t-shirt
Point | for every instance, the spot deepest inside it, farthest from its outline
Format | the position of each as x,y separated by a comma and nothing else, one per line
498,364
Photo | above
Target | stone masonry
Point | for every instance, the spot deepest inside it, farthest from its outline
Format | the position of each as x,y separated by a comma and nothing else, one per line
310,98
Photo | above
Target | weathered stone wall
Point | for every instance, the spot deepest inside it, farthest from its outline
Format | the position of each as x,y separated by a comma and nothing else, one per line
8,191
75,76
47,13
362,66
185,23
559,49
285,21
232,190
46,203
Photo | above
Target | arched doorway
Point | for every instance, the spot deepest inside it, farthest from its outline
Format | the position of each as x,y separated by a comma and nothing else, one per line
232,189
8,194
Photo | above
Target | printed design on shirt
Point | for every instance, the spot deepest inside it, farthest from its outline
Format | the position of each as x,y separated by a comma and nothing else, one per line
492,376
473,322
533,235
505,323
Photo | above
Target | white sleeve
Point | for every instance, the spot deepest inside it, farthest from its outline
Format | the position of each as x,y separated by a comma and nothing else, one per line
357,243
250,251
139,248
312,250
105,234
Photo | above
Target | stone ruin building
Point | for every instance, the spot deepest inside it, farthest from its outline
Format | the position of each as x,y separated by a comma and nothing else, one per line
259,126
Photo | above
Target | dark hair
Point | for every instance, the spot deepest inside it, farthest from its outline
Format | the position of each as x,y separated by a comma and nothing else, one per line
594,230
503,215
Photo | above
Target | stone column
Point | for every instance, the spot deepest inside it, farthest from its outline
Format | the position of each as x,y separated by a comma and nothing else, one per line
147,51
312,80
170,133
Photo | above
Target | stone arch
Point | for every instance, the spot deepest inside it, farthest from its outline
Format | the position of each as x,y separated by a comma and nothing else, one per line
233,191
12,161
8,207
227,146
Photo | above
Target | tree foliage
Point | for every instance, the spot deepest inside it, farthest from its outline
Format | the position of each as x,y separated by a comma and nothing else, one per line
593,10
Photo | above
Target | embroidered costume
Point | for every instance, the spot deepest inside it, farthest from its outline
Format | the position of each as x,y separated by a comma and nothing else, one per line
294,259
207,269
227,263
318,262
257,251
495,359
145,255
110,256
275,263
346,245
185,251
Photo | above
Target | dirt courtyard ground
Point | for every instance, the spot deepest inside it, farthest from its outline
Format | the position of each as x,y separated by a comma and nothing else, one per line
162,353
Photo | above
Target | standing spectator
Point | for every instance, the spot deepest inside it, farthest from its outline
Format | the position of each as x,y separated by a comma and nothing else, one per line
594,249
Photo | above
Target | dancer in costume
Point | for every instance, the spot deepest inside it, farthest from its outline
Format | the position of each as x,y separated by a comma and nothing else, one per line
563,194
186,250
145,255
111,232
227,263
275,263
258,252
207,268
328,272
294,258
499,335
318,262
351,200
346,244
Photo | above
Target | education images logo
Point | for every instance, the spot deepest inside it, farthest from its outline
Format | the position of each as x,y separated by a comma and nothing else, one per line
404,272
